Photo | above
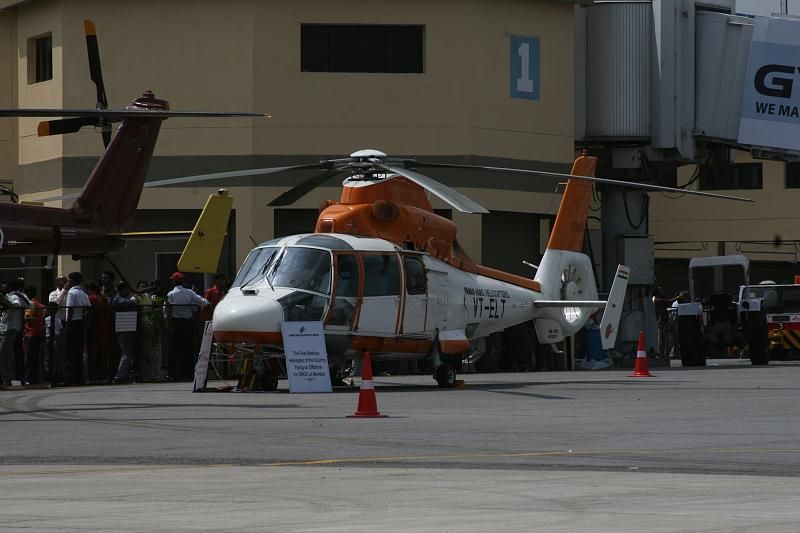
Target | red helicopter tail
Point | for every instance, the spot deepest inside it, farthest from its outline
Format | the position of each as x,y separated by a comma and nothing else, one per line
109,199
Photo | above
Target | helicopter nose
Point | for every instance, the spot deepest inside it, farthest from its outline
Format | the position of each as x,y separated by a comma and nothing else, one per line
248,318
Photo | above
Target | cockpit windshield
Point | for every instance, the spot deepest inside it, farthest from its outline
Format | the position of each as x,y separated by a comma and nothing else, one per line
253,268
302,268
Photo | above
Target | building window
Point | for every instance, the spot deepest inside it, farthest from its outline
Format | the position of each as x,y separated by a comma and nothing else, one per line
357,48
731,176
793,175
40,59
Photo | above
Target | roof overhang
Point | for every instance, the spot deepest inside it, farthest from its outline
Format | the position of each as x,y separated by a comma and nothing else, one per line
11,3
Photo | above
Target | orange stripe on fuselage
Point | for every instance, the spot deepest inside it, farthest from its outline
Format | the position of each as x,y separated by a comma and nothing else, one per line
570,224
513,279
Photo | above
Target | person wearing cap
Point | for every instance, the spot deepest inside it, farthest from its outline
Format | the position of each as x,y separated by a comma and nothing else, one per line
181,309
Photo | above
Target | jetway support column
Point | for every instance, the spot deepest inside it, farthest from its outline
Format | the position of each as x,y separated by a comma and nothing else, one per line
626,240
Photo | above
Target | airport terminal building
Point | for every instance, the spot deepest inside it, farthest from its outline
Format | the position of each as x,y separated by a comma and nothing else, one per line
487,82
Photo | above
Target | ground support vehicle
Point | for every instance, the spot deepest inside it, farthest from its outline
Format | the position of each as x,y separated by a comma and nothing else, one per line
781,304
713,322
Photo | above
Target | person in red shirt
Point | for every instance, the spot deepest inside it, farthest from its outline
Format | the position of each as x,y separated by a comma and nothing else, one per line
99,335
34,338
214,294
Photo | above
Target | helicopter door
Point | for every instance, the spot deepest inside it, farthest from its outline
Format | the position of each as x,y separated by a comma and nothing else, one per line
344,307
416,306
380,304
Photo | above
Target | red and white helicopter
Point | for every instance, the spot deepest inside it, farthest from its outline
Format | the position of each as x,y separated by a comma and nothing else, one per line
384,273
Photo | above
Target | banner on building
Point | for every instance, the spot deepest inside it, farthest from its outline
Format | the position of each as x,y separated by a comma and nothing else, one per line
771,98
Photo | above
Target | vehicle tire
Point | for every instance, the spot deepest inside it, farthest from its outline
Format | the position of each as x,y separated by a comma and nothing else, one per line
757,337
445,376
690,340
269,381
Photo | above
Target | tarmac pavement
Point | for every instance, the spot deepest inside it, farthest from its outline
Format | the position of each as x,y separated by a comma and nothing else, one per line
705,449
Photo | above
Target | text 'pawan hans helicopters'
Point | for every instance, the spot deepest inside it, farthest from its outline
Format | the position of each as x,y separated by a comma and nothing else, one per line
384,273
107,204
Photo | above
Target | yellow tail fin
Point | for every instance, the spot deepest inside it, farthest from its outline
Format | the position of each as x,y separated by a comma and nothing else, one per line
202,251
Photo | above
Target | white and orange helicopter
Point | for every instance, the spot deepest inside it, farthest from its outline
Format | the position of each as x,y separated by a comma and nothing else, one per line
385,274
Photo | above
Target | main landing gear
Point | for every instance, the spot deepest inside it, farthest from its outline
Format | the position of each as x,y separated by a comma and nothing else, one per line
445,376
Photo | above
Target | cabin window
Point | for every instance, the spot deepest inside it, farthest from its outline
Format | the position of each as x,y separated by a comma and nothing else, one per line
347,276
381,275
343,310
415,275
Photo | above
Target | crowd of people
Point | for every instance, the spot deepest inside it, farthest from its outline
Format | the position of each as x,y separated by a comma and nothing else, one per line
102,331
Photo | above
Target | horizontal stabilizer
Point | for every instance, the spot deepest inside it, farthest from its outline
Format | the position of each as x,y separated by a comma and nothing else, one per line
569,303
609,324
144,235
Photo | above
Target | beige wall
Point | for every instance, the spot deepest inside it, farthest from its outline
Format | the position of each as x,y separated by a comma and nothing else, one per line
774,212
8,95
245,55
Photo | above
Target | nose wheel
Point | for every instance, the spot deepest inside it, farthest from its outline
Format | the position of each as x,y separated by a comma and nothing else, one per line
445,376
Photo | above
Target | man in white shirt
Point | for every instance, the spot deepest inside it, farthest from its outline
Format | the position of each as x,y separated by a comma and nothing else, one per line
181,309
59,297
77,306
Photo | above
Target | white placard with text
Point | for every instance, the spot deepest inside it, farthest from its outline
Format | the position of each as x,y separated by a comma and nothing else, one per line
201,367
306,357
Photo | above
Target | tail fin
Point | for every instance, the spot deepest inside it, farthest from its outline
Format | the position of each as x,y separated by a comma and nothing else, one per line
564,272
109,199
568,230
202,251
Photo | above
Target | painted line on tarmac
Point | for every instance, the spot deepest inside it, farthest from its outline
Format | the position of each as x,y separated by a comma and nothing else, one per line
121,469
510,455
400,458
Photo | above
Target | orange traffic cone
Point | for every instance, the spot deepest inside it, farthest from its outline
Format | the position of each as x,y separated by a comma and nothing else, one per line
641,370
367,402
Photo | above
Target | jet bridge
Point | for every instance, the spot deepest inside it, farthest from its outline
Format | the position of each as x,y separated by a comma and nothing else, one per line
661,83
672,76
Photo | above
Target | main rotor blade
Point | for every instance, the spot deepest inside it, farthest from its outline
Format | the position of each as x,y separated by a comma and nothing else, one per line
95,70
64,125
110,114
305,187
228,175
452,197
202,177
609,181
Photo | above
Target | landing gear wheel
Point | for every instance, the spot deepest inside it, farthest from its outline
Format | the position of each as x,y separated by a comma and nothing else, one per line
445,376
690,341
758,337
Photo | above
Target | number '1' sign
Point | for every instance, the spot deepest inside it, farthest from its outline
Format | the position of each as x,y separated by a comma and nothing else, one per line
524,67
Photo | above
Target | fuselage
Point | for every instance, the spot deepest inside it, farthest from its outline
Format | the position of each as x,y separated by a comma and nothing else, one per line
369,293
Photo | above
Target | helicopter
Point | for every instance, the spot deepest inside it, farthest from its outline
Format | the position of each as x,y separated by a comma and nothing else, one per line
95,223
386,274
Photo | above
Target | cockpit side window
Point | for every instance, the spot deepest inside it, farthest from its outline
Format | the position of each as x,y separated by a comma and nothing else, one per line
381,275
347,276
253,266
303,268
415,275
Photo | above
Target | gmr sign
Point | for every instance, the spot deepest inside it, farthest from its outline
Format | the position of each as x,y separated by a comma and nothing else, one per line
770,116
768,83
